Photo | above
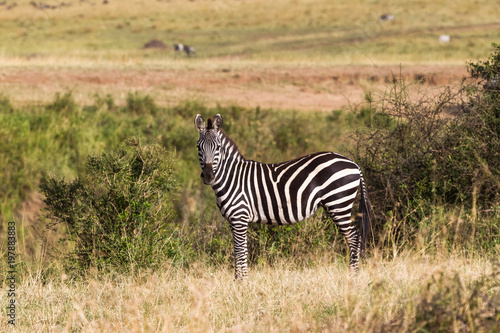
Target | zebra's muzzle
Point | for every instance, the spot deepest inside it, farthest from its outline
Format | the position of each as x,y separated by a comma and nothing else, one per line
208,174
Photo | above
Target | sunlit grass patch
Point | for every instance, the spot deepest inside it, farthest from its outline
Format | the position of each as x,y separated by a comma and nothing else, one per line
392,294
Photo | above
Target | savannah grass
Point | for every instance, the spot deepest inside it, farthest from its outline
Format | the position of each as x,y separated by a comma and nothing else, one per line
313,31
410,292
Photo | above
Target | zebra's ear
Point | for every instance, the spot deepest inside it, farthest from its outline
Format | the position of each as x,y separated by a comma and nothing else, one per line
217,122
199,123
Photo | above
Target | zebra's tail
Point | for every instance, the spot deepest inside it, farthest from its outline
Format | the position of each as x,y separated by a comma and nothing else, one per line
366,215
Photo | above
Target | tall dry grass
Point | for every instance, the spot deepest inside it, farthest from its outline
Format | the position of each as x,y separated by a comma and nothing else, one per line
387,295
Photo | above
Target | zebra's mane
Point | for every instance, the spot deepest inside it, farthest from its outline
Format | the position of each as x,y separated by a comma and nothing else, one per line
210,124
230,142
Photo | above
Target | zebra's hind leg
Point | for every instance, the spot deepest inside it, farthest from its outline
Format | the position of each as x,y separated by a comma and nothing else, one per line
348,229
239,230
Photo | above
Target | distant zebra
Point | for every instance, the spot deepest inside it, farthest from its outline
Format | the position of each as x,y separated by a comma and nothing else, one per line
178,47
280,193
189,50
386,17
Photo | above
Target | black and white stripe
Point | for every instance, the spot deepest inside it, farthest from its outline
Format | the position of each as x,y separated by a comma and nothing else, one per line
280,193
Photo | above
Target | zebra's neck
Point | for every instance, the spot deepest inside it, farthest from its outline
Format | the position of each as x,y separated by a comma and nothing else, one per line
230,163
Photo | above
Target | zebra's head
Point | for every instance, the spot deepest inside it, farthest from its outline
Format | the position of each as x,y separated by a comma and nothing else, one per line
209,146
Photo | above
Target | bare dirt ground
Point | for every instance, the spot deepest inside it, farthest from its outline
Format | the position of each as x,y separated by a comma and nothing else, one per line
300,88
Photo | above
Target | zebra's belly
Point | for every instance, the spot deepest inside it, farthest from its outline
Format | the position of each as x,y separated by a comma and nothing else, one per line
280,217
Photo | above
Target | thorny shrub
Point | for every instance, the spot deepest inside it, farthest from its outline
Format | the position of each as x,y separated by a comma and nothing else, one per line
441,150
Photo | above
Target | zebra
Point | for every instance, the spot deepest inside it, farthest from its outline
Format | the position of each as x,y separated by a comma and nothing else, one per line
280,193
189,50
386,17
178,47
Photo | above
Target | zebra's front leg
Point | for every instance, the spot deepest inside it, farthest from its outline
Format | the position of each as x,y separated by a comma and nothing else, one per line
239,230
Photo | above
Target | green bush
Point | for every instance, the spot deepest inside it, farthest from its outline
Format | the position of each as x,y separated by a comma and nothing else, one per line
119,210
63,104
107,100
5,105
141,105
488,69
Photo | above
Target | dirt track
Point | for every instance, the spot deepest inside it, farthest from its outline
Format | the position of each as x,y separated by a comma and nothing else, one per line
317,88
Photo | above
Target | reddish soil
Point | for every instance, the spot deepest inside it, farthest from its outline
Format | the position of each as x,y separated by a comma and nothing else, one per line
317,88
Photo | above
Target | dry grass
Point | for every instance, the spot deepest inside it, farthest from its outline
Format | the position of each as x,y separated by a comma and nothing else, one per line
203,298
